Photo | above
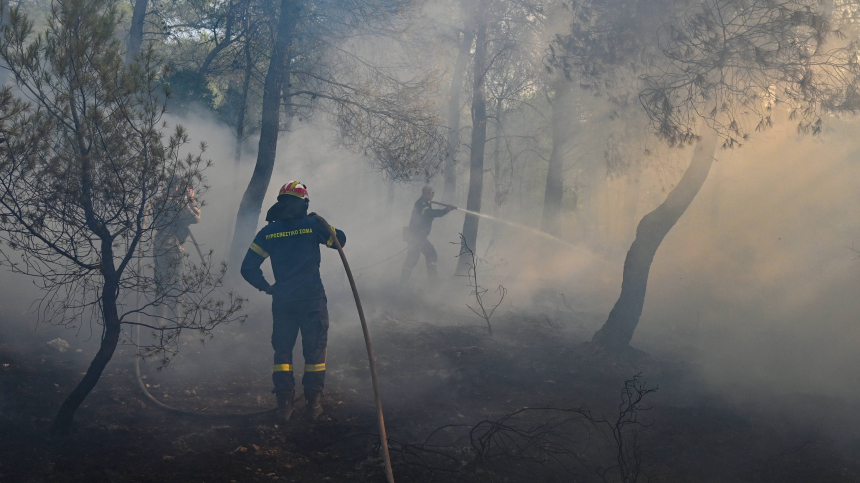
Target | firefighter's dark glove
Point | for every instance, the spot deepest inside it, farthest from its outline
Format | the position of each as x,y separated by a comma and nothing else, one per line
270,290
450,208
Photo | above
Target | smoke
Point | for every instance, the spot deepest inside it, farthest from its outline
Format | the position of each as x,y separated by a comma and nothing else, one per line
755,286
352,197
755,283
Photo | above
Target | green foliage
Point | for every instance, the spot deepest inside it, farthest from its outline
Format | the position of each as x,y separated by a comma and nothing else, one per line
228,110
188,88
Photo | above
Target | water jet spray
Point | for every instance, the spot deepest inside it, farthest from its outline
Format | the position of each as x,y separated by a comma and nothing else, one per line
518,226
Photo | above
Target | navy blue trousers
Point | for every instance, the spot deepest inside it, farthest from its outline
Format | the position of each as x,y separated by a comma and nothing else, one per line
418,246
289,317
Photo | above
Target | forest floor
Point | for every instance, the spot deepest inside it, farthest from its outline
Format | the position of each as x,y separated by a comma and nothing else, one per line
449,375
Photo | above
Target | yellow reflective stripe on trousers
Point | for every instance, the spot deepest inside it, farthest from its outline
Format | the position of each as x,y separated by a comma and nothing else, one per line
259,251
315,367
283,368
330,242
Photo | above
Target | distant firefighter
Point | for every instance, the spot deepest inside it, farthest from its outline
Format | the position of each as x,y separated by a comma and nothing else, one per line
415,235
172,223
292,238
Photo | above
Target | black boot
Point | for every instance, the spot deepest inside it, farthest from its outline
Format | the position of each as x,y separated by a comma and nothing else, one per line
286,405
313,405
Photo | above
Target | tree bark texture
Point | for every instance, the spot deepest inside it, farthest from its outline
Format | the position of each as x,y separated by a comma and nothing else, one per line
246,86
278,73
110,338
618,330
554,191
4,71
135,32
479,139
454,114
497,158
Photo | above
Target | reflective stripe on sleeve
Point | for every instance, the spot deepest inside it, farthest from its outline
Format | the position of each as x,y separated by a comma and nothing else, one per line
425,209
330,242
259,251
315,367
283,368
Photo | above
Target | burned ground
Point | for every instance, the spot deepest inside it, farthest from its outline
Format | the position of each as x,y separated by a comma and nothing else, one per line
440,373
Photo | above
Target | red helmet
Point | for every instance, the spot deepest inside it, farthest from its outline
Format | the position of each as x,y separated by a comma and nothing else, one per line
294,188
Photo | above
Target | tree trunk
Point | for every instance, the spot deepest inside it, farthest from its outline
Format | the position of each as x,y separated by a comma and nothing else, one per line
454,114
389,202
252,200
287,99
135,32
4,71
618,330
246,86
497,159
110,338
479,139
555,174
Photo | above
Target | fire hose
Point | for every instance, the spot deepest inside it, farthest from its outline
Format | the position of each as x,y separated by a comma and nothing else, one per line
194,241
372,360
446,205
183,412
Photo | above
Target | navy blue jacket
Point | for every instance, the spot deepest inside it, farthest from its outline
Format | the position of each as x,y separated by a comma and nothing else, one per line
295,252
422,218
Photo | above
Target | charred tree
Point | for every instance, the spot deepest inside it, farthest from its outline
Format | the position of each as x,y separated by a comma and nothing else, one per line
4,20
135,32
278,73
109,339
479,138
391,122
716,71
618,329
84,167
554,191
465,45
246,86
499,192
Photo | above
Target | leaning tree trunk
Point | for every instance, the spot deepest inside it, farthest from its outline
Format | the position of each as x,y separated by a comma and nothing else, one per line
479,139
454,114
110,338
555,174
252,200
135,32
618,330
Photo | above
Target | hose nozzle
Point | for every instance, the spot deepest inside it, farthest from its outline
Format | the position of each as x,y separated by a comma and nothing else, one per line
449,207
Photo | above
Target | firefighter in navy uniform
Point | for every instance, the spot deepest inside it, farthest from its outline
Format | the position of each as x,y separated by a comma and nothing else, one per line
417,232
292,238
